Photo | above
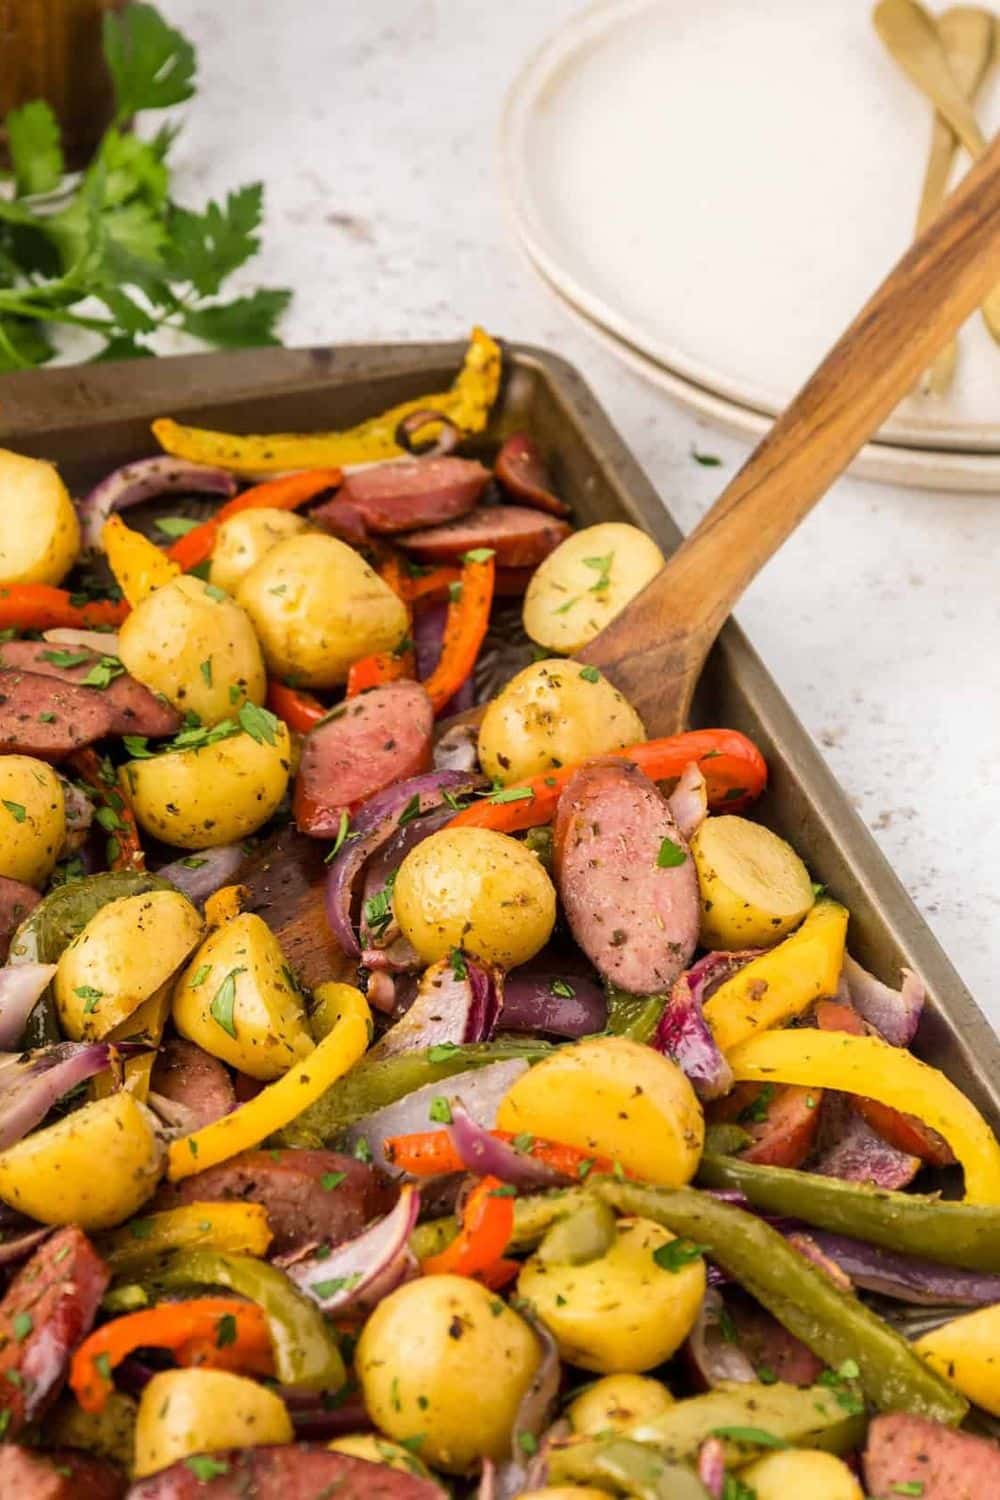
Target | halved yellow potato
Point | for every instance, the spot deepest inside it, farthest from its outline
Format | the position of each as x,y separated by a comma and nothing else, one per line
966,1351
378,1450
204,1411
586,581
754,887
32,819
804,1471
39,531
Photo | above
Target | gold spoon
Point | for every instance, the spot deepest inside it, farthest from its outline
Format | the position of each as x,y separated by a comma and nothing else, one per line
968,36
912,37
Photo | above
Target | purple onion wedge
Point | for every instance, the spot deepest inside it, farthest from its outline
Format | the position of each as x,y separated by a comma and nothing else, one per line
894,1013
20,988
31,1084
144,480
907,1278
200,875
367,1268
483,1154
684,1035
689,800
553,1001
455,1002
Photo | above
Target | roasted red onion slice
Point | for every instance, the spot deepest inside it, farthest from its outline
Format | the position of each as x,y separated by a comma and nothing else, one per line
689,800
30,1085
857,1153
21,985
712,1467
367,1268
144,480
483,1154
415,422
200,875
479,1090
895,1013
458,749
457,1001
106,642
562,1004
907,1278
713,1357
372,827
684,1035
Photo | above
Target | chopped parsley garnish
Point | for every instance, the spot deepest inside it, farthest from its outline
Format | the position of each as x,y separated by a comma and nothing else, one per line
755,1113
205,1468
17,810
441,1051
225,1331
335,1284
440,1110
331,1180
478,555
459,968
676,1254
758,1436
200,975
343,834
590,674
66,658
103,673
21,1325
205,668
224,1001
512,794
89,996
175,526
602,566
410,811
670,855
260,724
562,988
707,460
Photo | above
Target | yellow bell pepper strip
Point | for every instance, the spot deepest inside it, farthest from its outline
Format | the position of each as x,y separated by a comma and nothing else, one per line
467,404
224,904
137,563
869,1066
833,1323
783,982
966,1351
280,1102
145,1025
240,1228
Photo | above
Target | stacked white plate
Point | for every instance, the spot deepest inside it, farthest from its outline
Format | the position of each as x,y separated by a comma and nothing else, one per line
716,187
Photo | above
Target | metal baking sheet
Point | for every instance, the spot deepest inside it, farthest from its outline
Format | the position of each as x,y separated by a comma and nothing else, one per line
89,419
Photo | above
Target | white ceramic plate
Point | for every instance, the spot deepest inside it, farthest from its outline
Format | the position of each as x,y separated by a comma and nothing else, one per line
721,184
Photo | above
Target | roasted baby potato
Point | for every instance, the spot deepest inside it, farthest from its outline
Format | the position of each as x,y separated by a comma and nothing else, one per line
244,539
32,819
804,1471
626,1311
213,795
615,1403
95,1167
191,642
317,607
967,1352
125,953
754,888
110,1432
586,581
379,1450
237,999
203,1411
444,1357
39,531
615,1098
553,714
478,890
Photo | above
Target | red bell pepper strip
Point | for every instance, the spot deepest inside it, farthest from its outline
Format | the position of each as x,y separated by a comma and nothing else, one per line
377,670
300,711
733,767
435,583
430,1153
124,847
287,493
221,1332
39,606
905,1132
487,1226
464,629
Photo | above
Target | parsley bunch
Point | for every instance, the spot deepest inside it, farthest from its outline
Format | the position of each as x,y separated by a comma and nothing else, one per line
110,251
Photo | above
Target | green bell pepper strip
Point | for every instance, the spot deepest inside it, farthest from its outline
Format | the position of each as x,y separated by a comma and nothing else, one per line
634,1016
954,1234
581,1236
375,1082
627,1465
833,1323
306,1353
52,926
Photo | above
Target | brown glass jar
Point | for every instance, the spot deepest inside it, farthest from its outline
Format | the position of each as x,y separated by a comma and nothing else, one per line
51,49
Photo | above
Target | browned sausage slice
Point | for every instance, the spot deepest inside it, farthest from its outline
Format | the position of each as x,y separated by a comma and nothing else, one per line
521,470
782,1120
16,900
57,1474
626,877
49,719
913,1456
310,1196
404,496
367,743
49,1307
190,1077
298,1472
134,709
521,538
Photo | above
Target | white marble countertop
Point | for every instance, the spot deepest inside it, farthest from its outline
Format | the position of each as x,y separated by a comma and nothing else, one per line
373,127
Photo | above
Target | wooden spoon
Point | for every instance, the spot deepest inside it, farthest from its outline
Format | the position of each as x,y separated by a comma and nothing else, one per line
655,649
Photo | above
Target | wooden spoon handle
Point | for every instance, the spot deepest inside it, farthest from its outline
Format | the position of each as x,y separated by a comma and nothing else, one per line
655,649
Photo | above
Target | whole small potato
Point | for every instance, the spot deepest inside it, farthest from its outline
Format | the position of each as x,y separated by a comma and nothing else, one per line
614,1403
553,714
478,890
378,1450
612,1097
586,581
218,794
317,607
444,1357
32,819
189,641
803,1471
203,1411
623,1311
95,1167
236,999
754,888
122,957
244,539
39,531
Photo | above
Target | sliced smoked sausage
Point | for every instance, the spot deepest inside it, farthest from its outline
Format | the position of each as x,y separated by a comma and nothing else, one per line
626,877
189,1076
393,497
57,1474
310,1196
134,709
908,1455
16,901
49,719
49,1307
297,1472
521,538
365,745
